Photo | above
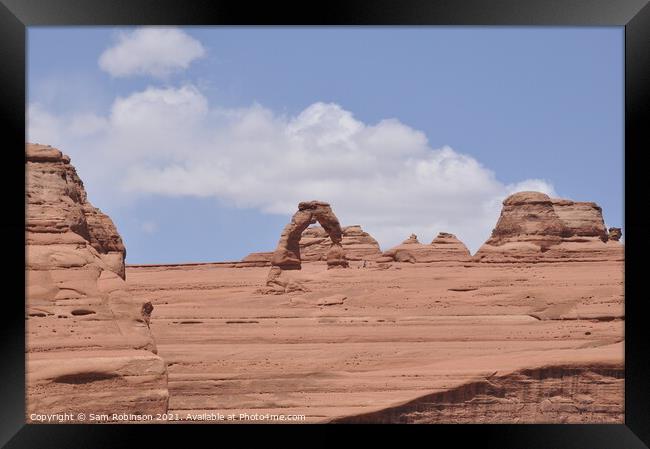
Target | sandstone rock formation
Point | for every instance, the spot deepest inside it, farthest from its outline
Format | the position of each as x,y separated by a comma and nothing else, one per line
532,226
315,243
57,204
88,342
448,246
287,254
583,219
445,247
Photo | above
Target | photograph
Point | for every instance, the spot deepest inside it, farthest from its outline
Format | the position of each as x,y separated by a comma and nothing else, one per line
225,221
289,225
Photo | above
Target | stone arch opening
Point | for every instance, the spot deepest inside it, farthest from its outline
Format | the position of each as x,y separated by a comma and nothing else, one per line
287,253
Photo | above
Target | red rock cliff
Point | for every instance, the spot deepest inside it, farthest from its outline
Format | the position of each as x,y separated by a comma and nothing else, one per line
89,347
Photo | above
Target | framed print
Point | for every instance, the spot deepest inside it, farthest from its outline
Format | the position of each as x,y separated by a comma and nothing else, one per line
423,217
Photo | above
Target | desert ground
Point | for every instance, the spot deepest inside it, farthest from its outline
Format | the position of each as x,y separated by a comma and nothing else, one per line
438,342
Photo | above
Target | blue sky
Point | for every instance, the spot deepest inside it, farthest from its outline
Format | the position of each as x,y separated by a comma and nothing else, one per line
200,141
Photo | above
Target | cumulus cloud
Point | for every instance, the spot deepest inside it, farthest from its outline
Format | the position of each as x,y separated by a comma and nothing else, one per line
52,128
155,51
383,176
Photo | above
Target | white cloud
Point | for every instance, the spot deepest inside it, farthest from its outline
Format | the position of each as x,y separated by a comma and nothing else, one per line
87,124
51,128
383,176
42,127
155,51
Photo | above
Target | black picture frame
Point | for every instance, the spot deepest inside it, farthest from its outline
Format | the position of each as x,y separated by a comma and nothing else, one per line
634,15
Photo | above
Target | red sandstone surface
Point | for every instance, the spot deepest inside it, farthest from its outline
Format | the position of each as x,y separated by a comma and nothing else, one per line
532,343
529,330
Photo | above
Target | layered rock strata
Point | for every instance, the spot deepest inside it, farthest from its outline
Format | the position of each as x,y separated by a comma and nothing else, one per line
88,343
445,247
534,227
549,394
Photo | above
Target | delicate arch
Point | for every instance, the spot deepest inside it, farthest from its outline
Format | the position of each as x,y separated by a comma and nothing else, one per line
287,254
